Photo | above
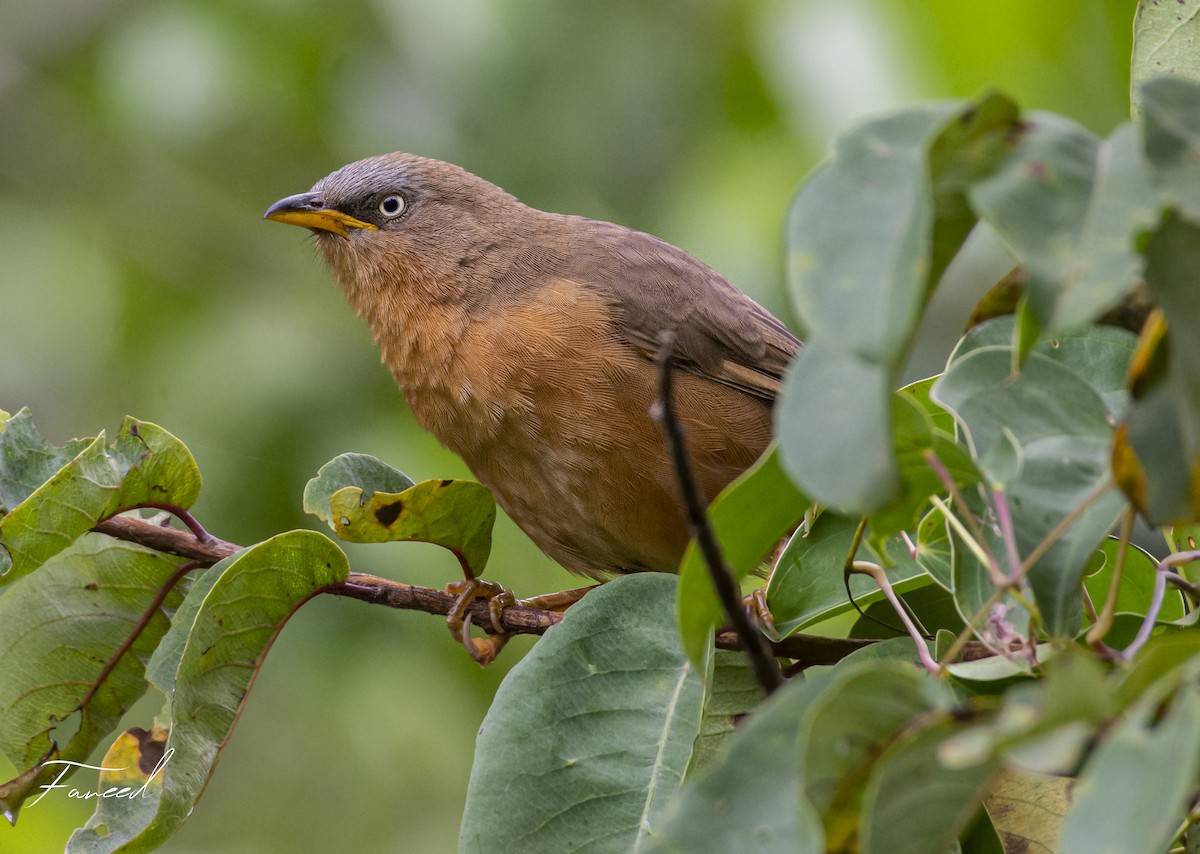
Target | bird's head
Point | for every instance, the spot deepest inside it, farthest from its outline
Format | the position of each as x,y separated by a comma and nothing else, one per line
402,221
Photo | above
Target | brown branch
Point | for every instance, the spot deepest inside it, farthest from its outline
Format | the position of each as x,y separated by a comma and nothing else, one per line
806,650
757,648
169,540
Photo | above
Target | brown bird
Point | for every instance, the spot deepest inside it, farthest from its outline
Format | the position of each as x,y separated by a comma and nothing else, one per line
524,341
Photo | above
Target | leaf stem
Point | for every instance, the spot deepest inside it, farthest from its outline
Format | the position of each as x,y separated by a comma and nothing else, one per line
138,628
1156,599
880,577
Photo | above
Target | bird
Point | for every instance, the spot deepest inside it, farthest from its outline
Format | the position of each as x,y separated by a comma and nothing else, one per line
525,342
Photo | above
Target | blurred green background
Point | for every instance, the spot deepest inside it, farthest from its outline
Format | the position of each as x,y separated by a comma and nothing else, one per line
139,145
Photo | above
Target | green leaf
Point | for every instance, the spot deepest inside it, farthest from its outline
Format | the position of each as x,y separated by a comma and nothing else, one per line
1062,428
864,706
1134,791
26,459
1137,582
368,473
60,510
241,610
981,836
155,467
145,465
915,803
364,500
869,235
915,436
1162,656
455,514
808,584
919,392
1098,355
812,745
1166,41
1071,207
732,692
57,631
749,518
1171,139
936,549
1042,725
590,734
753,793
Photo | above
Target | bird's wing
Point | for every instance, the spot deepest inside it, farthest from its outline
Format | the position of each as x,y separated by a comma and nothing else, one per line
720,332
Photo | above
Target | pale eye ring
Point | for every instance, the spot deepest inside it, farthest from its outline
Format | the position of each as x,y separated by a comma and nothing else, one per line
392,206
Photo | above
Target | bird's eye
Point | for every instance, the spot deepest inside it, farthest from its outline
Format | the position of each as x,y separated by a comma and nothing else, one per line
392,206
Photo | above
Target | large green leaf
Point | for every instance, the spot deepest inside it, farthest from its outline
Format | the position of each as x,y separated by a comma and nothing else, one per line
792,778
1170,131
1137,582
26,459
869,235
731,693
57,631
808,584
1135,790
235,615
145,465
866,704
1166,41
1098,355
749,518
1071,207
915,437
914,803
590,734
752,796
1062,430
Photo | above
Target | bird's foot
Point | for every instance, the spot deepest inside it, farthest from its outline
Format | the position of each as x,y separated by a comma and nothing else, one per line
485,649
559,601
756,603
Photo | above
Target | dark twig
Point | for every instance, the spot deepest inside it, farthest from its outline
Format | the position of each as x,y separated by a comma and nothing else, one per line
762,661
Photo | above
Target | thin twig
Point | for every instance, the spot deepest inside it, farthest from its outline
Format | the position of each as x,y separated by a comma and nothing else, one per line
1165,566
762,661
140,627
880,578
1004,517
189,521
943,474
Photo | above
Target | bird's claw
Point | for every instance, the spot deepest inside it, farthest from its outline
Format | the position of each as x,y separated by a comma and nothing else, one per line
484,650
756,603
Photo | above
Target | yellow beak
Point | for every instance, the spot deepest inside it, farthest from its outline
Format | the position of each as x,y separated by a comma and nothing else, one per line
308,210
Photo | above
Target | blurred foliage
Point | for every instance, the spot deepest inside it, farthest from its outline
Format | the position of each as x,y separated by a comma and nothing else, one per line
141,143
